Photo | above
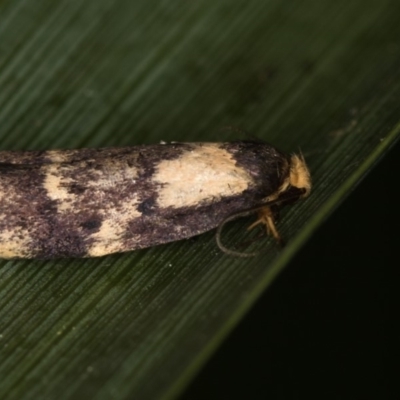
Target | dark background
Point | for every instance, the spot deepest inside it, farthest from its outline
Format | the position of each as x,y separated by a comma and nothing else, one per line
328,326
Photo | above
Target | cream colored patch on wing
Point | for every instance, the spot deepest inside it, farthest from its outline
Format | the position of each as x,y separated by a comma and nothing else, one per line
57,182
59,156
205,173
55,185
14,244
108,239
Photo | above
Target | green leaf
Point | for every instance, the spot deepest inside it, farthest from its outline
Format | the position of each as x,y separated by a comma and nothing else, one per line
321,76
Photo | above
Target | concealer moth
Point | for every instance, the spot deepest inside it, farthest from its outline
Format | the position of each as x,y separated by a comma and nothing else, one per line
93,202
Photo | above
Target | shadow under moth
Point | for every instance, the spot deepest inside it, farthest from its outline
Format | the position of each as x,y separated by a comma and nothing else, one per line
93,202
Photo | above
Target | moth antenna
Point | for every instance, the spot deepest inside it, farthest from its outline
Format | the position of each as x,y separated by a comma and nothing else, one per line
221,227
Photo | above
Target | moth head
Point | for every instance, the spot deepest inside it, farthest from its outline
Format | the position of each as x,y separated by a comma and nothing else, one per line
299,175
296,184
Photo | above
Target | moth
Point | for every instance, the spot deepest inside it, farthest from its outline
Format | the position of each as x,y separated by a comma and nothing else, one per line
93,202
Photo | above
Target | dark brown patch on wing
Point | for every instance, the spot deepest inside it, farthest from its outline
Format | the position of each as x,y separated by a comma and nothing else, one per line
148,206
93,225
22,157
267,165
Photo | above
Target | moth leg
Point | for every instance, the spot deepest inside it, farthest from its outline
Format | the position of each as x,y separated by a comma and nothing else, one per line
266,217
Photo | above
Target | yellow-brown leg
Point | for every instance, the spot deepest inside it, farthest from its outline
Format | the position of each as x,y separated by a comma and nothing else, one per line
266,217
